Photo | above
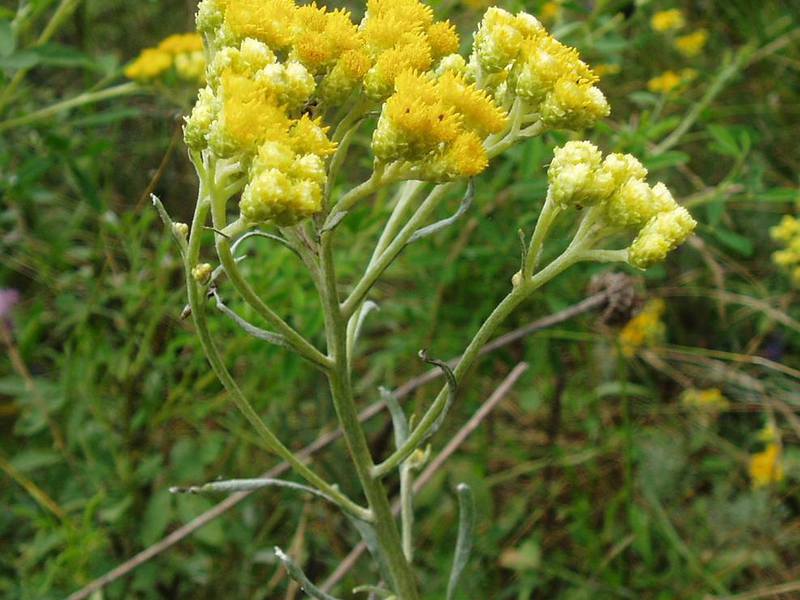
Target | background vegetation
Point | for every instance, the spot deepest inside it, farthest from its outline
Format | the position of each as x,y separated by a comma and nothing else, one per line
593,478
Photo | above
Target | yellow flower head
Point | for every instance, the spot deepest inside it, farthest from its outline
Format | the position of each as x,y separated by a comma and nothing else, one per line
667,20
692,44
765,467
435,123
269,21
645,329
320,37
443,39
248,116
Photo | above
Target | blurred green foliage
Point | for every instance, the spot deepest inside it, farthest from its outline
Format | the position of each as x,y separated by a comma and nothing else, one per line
591,482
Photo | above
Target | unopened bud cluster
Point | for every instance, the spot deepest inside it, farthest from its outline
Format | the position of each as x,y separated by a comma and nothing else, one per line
579,176
515,57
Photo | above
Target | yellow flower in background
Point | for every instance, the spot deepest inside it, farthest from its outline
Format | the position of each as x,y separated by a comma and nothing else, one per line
645,329
669,81
667,20
550,11
151,63
479,4
664,83
692,44
606,69
787,233
707,400
765,467
181,54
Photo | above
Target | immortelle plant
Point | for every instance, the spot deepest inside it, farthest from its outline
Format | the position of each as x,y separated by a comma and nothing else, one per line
287,89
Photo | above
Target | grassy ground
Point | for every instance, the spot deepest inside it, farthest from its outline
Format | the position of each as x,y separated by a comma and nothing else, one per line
593,479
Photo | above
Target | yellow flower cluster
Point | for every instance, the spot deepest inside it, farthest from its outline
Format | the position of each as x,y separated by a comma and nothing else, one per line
766,467
402,35
667,20
517,59
671,80
645,329
580,176
692,44
436,126
787,232
251,112
181,54
271,61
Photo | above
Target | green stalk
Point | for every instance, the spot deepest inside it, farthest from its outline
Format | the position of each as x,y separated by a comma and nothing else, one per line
63,11
547,217
123,89
223,245
386,258
199,316
386,530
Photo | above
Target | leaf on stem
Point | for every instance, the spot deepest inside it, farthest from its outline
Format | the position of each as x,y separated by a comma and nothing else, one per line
270,236
297,574
466,524
256,332
168,223
433,228
398,416
367,308
248,485
452,390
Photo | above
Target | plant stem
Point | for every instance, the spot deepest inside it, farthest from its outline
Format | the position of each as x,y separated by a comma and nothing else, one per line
123,89
61,13
550,211
391,252
199,316
223,246
386,529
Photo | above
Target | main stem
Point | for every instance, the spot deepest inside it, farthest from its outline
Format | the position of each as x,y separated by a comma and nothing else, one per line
386,530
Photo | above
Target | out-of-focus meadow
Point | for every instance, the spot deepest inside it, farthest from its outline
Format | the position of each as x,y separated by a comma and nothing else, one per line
652,455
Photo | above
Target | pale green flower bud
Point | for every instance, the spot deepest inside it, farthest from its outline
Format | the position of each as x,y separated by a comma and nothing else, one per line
310,167
621,167
635,203
273,155
299,85
202,273
181,230
662,234
452,62
497,41
199,122
387,143
574,105
572,174
209,17
267,197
